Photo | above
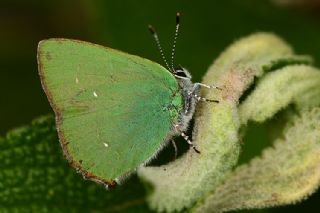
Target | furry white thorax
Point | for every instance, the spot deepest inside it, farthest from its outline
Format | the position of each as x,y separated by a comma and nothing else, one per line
189,90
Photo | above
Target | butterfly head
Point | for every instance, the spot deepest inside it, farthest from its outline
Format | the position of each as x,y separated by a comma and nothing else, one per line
182,73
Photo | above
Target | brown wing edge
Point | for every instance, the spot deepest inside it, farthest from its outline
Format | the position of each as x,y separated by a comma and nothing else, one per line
58,118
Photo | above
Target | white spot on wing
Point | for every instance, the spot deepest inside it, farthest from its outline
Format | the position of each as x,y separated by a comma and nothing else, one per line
95,94
105,144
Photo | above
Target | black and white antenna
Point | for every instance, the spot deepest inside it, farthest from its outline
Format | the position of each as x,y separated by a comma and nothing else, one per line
156,38
175,39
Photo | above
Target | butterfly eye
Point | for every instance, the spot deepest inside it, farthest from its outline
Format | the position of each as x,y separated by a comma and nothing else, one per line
180,73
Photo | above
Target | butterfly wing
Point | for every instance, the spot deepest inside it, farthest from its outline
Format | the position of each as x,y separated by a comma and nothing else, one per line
113,110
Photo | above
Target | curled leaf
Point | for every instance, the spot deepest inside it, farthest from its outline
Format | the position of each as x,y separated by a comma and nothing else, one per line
298,85
284,174
290,170
180,184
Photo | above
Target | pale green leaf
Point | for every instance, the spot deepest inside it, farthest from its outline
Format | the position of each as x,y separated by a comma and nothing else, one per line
284,174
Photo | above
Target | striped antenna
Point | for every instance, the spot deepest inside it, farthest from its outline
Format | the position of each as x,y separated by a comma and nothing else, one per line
156,38
175,39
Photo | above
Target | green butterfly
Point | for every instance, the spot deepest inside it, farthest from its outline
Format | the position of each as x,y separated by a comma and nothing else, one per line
114,111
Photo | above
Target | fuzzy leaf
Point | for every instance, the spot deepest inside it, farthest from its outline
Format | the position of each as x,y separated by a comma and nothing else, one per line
290,171
181,183
284,174
298,85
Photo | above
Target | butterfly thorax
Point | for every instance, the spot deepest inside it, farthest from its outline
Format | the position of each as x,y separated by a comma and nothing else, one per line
188,90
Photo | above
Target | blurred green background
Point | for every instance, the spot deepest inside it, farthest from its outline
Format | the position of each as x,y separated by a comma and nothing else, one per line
207,27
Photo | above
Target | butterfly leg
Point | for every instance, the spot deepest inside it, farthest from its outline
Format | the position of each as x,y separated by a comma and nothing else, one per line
186,138
198,98
196,89
198,85
175,148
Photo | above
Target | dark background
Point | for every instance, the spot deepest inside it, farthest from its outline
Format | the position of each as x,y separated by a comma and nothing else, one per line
207,27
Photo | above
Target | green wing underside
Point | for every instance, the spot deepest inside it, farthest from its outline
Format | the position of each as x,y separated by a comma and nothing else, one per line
114,110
